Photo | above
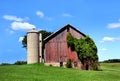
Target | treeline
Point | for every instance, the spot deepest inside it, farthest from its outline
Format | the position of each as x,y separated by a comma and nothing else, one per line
111,61
16,63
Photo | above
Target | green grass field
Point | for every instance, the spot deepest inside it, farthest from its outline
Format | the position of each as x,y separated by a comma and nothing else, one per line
39,72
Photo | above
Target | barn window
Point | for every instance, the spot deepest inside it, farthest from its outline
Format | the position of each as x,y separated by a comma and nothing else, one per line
61,64
75,64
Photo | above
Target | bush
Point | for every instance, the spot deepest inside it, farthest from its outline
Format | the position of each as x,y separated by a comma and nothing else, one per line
69,63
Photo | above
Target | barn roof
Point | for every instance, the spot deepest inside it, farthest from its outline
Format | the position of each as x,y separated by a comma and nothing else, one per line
62,29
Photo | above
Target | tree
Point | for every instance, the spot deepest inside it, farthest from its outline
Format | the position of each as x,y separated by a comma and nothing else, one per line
24,41
44,35
85,48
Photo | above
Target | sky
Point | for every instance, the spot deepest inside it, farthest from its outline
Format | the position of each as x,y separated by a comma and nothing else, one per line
100,19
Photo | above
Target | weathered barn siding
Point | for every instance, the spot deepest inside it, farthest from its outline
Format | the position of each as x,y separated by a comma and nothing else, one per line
56,49
76,34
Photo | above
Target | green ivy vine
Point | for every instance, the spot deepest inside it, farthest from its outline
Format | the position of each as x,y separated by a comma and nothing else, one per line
85,48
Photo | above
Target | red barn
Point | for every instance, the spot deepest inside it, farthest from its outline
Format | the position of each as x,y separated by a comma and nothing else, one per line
56,51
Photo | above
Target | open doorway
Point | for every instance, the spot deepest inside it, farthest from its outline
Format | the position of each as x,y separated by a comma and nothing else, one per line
61,64
87,67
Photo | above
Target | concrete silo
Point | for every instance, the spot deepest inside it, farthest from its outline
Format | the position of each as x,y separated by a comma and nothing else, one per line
32,46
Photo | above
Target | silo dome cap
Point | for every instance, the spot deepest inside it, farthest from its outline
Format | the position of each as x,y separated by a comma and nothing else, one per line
33,31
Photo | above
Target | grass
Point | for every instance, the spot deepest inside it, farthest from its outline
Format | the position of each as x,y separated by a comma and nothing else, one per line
39,72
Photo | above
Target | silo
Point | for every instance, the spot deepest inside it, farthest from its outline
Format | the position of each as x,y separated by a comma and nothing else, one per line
32,46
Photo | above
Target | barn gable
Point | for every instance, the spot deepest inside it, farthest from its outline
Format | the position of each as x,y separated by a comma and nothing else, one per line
67,27
56,50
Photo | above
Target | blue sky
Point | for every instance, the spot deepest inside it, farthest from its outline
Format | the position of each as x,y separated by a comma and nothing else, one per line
100,19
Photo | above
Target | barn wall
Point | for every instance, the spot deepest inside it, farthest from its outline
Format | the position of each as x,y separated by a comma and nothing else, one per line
76,34
56,49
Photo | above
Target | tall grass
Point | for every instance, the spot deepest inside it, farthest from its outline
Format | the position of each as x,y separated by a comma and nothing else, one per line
39,72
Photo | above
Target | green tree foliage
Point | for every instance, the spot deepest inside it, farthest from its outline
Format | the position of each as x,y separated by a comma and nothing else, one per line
20,62
44,35
85,48
24,41
112,61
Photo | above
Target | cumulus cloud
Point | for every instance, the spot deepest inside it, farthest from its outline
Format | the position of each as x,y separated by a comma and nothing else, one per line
40,14
12,18
114,25
67,15
20,39
22,26
109,39
18,23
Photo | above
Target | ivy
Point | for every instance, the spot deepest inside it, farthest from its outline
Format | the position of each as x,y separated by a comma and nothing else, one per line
70,41
85,48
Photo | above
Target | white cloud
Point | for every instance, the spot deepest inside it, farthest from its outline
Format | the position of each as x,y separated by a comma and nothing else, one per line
10,31
109,39
22,26
18,23
12,18
40,14
103,49
67,15
114,25
20,39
